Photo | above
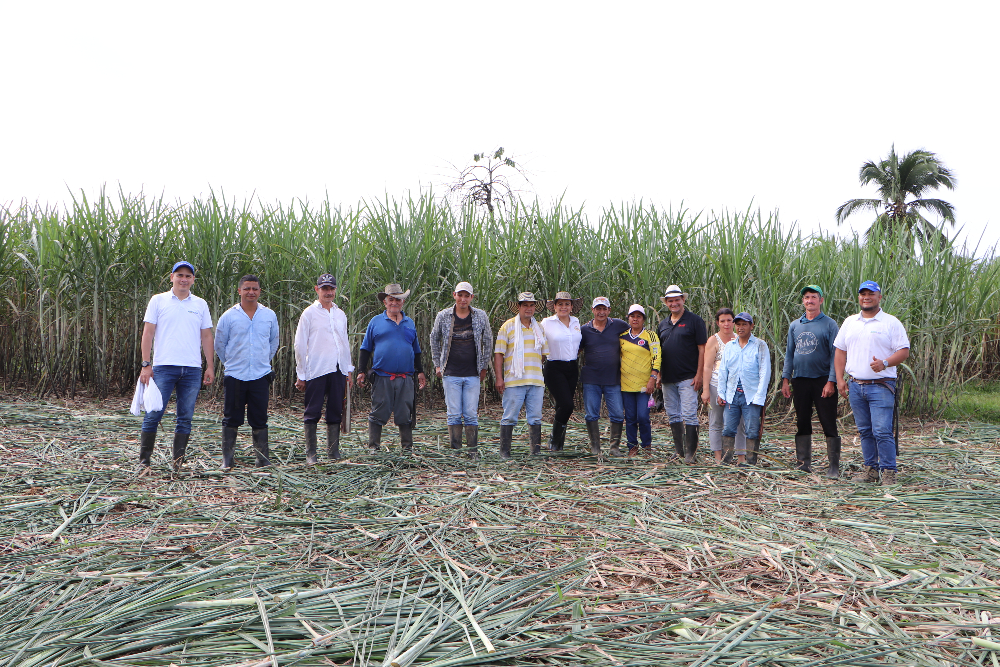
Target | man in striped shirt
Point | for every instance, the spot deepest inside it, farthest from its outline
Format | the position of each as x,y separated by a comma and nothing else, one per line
517,362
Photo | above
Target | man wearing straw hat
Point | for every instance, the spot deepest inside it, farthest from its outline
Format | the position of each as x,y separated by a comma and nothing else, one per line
391,345
601,374
323,366
809,379
246,340
683,336
517,362
176,324
460,347
869,346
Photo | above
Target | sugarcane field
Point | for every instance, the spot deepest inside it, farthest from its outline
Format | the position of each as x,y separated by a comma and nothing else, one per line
131,535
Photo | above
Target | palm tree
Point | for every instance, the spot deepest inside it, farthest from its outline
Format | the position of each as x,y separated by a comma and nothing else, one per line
898,179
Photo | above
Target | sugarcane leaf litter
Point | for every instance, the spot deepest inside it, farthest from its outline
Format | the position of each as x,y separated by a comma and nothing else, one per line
431,559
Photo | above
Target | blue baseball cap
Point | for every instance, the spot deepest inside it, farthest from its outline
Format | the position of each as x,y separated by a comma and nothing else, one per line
870,285
182,263
746,317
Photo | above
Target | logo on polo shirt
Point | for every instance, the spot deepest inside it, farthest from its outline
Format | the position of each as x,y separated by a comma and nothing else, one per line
682,325
641,341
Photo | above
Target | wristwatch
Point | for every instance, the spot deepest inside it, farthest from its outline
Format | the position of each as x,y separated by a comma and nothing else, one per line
146,363
885,363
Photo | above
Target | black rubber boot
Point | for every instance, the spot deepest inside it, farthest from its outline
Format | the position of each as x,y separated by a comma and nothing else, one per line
472,439
228,447
677,428
690,443
406,437
261,447
833,453
728,449
803,452
753,448
146,442
333,441
535,438
615,439
558,437
180,448
455,432
594,431
310,431
374,436
506,435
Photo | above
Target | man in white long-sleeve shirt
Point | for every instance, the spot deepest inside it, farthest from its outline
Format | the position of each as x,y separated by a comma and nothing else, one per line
323,366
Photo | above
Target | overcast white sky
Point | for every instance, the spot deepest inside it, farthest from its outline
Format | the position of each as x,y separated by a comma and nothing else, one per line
714,104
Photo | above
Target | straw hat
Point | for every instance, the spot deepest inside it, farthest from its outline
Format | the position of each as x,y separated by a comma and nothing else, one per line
673,291
575,304
521,298
393,289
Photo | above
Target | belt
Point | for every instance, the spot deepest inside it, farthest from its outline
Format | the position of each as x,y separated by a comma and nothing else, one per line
882,382
393,376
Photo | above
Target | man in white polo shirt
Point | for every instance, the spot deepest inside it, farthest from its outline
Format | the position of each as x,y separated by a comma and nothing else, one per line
869,346
176,324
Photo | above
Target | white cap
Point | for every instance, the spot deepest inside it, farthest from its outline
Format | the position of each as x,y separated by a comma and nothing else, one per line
601,301
636,308
464,287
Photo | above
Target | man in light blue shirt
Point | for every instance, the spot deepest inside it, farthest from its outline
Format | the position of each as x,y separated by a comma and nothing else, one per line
246,340
744,376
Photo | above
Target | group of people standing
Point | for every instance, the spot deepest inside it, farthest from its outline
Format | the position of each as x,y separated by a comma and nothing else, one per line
620,363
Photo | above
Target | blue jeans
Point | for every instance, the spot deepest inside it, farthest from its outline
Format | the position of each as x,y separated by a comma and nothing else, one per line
636,405
186,380
739,409
612,394
873,407
528,395
461,396
680,401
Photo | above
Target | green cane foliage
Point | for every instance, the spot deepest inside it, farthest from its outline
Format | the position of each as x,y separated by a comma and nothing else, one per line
74,283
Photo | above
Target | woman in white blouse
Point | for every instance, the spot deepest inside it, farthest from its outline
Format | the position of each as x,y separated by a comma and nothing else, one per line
562,331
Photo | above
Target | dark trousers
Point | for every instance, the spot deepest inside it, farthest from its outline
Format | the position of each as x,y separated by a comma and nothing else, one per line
331,387
245,396
561,378
807,392
391,398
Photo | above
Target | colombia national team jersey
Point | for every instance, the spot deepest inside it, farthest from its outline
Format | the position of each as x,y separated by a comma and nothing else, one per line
640,357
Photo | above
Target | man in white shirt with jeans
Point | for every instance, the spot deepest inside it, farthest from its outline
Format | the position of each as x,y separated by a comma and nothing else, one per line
323,366
869,346
175,325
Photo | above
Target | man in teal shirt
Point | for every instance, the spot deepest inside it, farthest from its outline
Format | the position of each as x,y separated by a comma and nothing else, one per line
809,379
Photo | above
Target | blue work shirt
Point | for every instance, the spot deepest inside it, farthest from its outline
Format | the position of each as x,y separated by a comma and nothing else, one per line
246,346
392,345
750,366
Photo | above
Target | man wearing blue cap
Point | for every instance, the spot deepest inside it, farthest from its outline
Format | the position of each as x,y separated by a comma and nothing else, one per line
175,325
808,379
869,347
744,376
